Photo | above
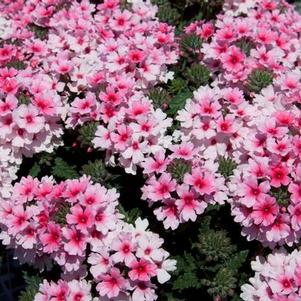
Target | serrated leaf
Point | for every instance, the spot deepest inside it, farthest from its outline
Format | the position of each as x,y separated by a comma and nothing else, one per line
178,102
32,288
237,260
186,281
87,133
63,170
18,65
35,170
130,215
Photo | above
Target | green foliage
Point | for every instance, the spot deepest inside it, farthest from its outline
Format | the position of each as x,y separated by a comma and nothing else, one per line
282,195
178,168
18,65
23,99
245,45
215,245
130,215
214,267
32,282
198,75
178,85
98,172
259,79
223,284
39,31
35,170
226,167
178,102
62,170
190,44
159,96
168,14
186,273
61,213
87,132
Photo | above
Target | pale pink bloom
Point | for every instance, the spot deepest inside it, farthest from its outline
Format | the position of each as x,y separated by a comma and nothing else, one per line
100,263
265,211
282,284
295,211
124,250
183,151
18,221
51,239
142,270
201,180
122,138
79,291
280,229
81,218
162,187
27,238
157,164
111,284
25,190
144,291
188,204
27,117
279,176
252,191
169,214
233,59
75,241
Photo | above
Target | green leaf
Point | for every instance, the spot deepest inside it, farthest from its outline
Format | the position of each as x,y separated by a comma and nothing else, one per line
63,170
18,65
159,96
178,102
87,133
259,79
168,14
32,288
130,215
215,245
186,281
223,283
198,75
178,168
23,99
35,170
177,85
39,31
190,43
237,260
98,172
226,167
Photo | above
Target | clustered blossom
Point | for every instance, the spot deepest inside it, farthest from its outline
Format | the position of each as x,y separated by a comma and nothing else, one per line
79,290
77,221
253,35
186,179
109,57
31,108
277,278
266,187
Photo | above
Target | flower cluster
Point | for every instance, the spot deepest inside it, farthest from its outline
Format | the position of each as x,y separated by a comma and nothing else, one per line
77,221
188,177
266,186
277,278
108,57
79,290
253,36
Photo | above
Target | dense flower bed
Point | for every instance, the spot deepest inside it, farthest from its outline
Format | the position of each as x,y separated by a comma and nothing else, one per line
107,106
